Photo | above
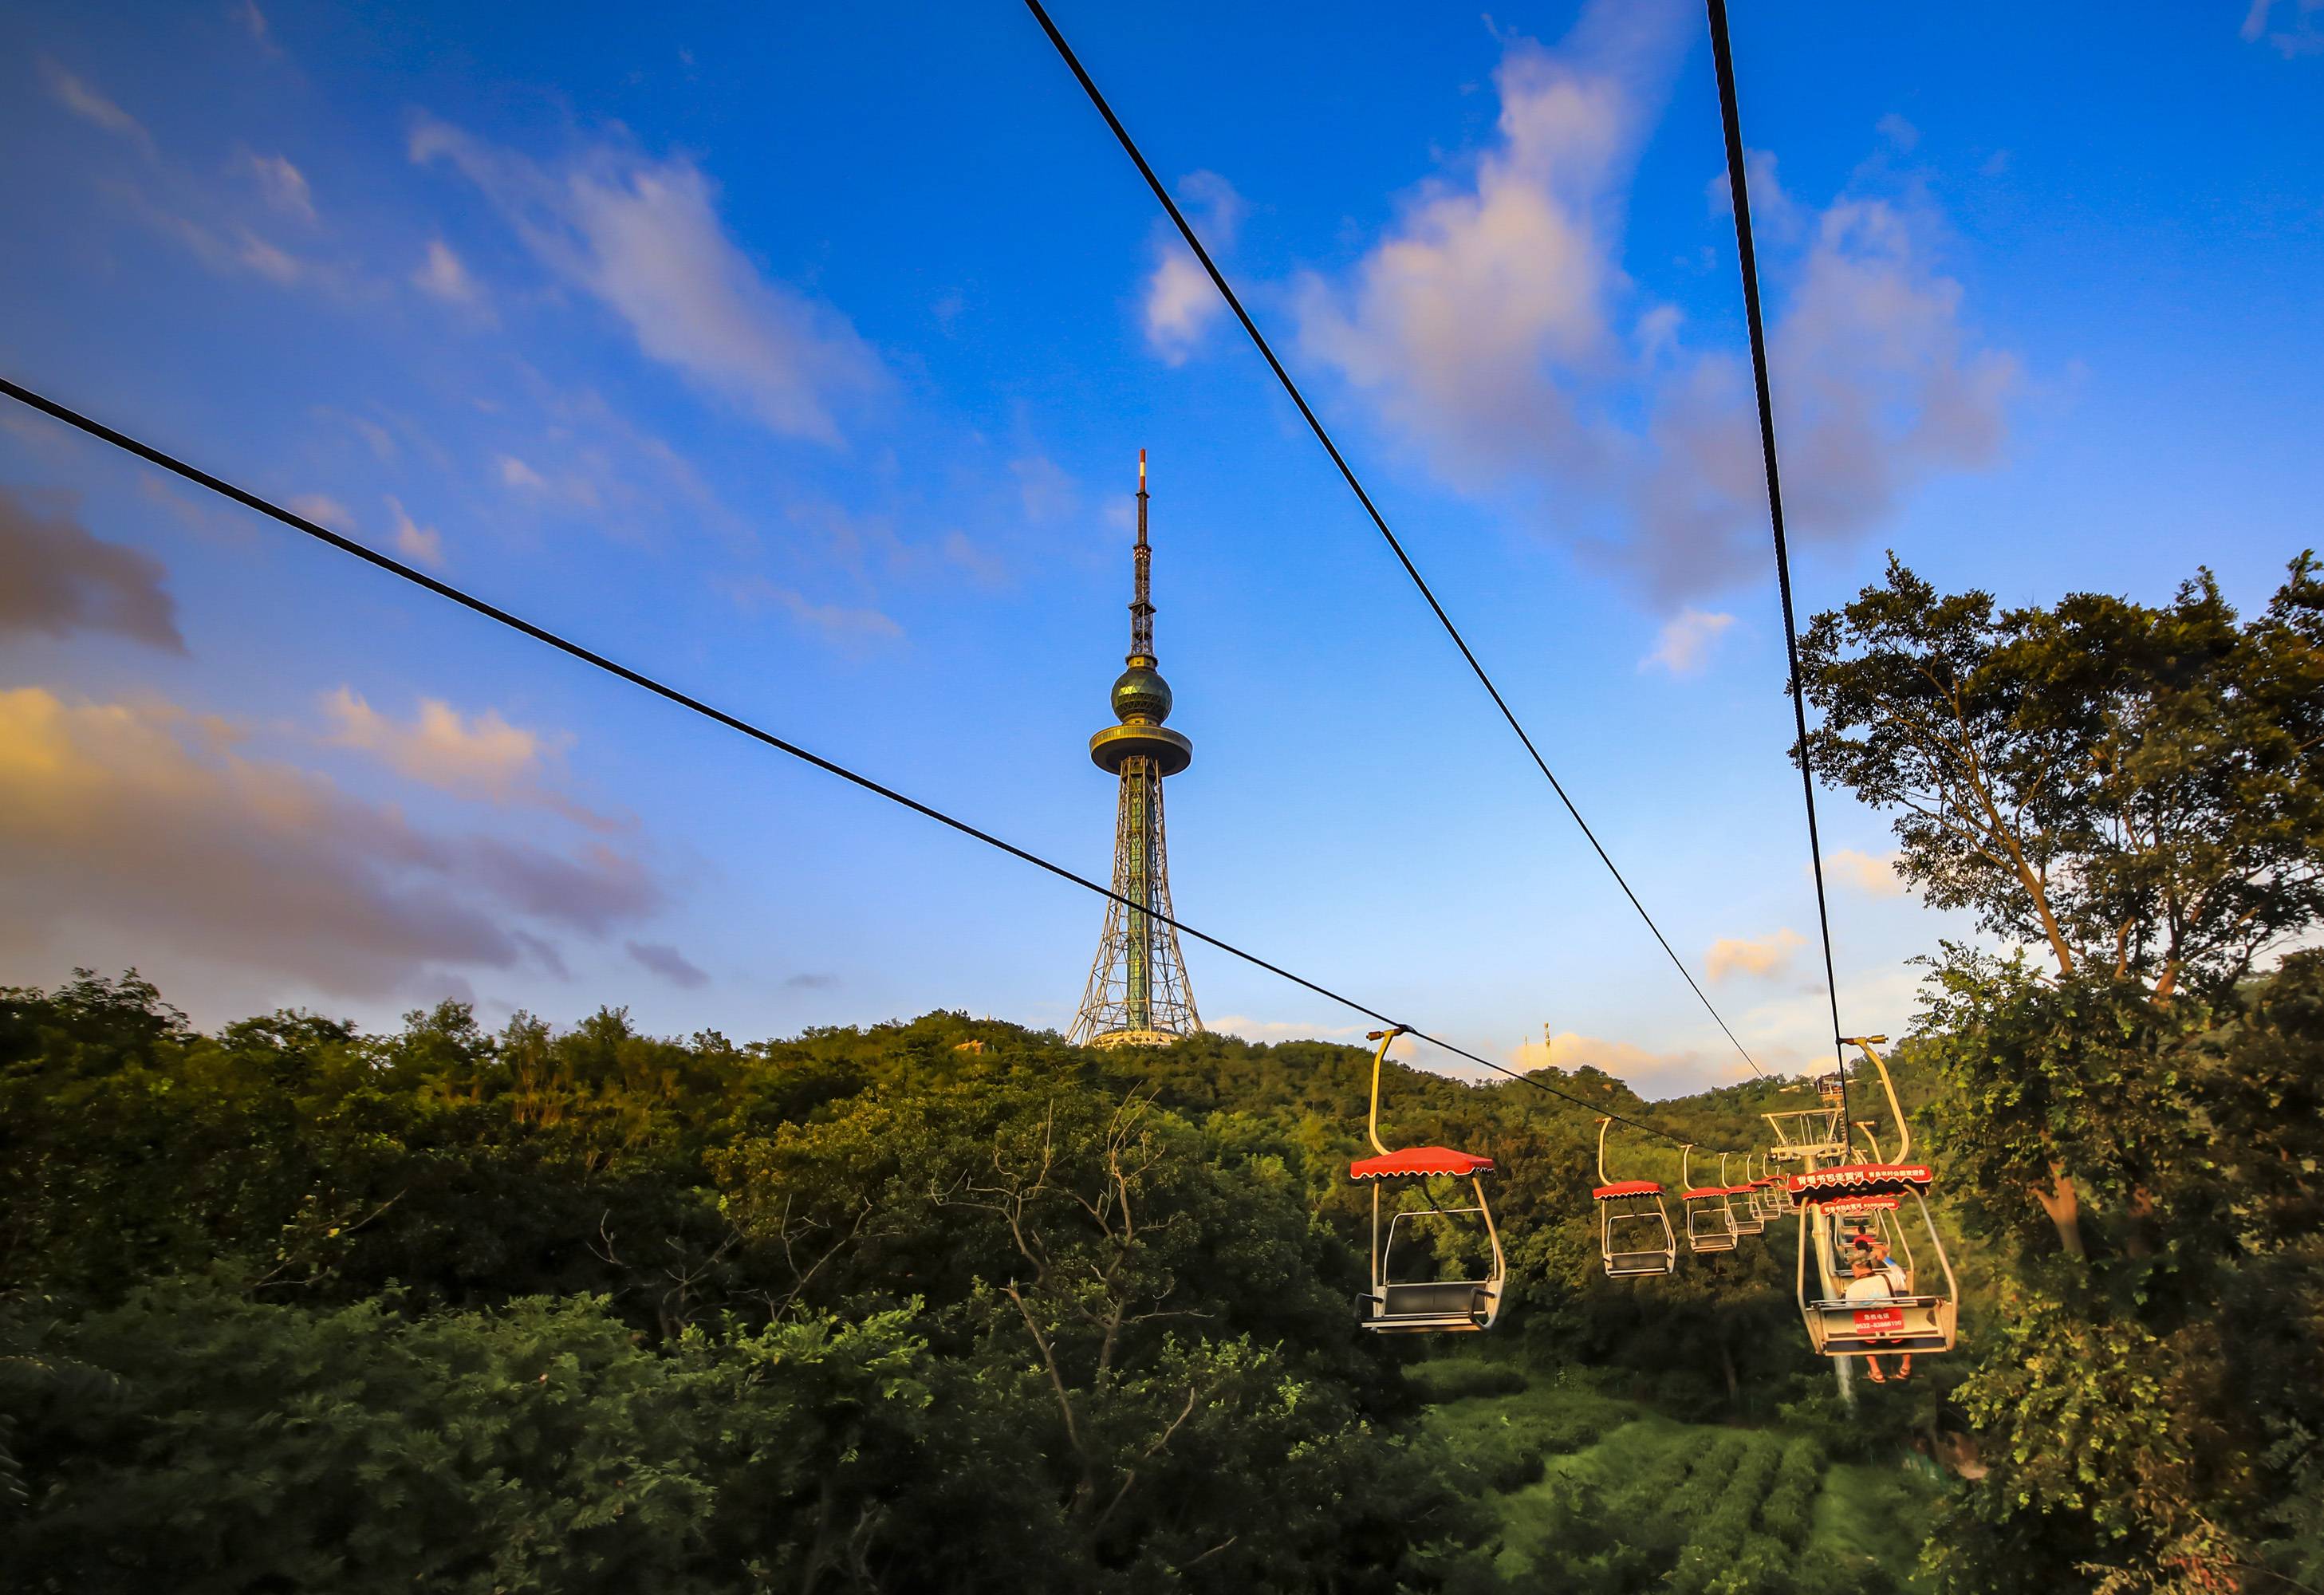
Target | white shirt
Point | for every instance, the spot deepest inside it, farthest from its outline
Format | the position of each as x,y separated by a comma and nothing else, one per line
1872,1287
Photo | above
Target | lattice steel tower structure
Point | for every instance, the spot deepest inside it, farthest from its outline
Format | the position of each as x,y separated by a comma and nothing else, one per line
1137,994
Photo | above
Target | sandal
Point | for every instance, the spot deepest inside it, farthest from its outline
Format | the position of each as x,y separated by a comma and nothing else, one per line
1872,1372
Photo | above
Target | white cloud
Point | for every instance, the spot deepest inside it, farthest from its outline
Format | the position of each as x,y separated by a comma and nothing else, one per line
254,21
238,250
1874,875
480,756
484,756
668,962
2302,37
1468,324
422,545
380,440
646,239
1273,1030
1686,640
1651,1074
140,830
1180,301
839,623
61,579
324,511
93,107
515,473
277,266
1762,957
443,275
1483,329
1042,486
284,186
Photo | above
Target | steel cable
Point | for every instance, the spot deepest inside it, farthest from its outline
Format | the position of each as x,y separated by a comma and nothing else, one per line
1219,281
587,656
1724,59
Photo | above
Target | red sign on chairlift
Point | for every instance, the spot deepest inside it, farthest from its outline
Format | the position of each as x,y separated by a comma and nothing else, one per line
1879,1321
1859,1205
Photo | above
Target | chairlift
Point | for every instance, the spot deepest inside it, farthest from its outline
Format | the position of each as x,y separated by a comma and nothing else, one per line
1634,1228
1840,1203
1806,1136
1745,1218
1430,1306
1775,1201
1709,1222
1765,1189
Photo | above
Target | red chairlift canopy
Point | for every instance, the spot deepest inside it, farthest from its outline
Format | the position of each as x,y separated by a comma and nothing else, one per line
1415,1162
1864,1179
1627,1188
1703,1191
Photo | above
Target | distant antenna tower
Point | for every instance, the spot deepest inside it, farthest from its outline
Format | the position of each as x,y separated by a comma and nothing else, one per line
1137,994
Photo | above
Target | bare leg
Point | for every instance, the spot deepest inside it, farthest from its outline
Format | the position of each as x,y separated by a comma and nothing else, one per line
1872,1369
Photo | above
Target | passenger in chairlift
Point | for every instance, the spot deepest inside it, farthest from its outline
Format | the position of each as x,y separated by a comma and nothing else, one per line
1869,1283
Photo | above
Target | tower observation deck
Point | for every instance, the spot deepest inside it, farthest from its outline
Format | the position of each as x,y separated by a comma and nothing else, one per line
1137,994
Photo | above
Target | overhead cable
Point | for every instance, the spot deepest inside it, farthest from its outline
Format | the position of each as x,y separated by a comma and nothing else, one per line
493,612
1347,473
1738,184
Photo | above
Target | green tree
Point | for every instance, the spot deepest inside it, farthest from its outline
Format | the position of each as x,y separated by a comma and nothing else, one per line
2135,790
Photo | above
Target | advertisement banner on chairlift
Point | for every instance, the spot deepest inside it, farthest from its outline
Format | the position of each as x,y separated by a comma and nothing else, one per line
1845,1205
1861,1179
1877,1321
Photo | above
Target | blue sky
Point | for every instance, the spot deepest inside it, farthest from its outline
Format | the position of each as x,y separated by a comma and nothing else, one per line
803,359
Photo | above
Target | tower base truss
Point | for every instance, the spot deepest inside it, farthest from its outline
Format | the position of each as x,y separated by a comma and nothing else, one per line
1137,994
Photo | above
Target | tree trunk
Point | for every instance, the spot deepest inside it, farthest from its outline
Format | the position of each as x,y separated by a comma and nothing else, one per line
2139,1242
2064,1203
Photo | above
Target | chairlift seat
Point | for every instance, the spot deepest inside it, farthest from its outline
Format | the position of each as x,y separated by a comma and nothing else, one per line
1427,1306
1635,1238
1436,1307
1709,1222
1881,1324
1843,1199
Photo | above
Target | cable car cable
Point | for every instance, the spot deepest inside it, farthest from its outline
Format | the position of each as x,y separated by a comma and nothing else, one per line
1219,281
1740,185
493,612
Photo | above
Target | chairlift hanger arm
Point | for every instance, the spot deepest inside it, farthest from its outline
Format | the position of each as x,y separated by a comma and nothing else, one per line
1867,1044
1387,1038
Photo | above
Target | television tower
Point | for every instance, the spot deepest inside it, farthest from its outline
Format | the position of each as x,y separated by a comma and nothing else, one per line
1137,994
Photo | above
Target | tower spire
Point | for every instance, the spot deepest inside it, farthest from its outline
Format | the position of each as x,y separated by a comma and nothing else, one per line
1141,600
1137,994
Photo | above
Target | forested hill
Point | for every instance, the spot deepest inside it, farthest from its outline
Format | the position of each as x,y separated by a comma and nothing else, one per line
942,1305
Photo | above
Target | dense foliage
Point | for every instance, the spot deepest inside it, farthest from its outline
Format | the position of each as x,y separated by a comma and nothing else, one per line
947,1305
2135,1132
291,1306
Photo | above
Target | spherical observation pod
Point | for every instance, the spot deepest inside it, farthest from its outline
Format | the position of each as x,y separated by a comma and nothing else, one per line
1429,1306
1868,1315
1634,1228
1709,1222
